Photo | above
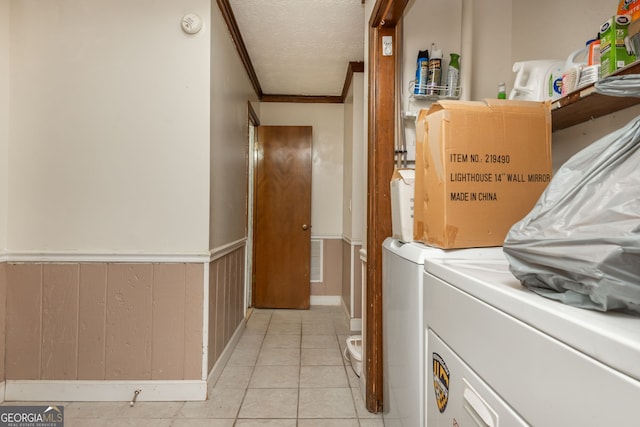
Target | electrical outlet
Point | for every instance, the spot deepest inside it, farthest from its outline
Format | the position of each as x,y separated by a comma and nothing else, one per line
387,45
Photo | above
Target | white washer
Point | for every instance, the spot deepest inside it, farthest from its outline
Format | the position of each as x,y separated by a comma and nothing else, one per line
403,327
501,355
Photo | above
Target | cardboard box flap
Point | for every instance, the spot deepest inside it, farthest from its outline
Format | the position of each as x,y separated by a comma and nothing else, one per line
524,107
421,116
488,105
448,104
408,176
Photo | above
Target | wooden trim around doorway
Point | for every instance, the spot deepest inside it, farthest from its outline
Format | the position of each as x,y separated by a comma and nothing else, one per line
380,169
253,117
387,13
386,16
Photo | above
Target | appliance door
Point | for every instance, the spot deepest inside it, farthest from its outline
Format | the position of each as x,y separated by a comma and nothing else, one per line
456,396
402,343
547,382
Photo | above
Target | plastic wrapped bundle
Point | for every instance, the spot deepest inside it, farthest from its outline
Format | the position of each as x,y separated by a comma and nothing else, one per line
580,244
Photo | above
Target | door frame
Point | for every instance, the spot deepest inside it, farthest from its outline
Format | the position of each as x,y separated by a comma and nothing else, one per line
252,123
385,21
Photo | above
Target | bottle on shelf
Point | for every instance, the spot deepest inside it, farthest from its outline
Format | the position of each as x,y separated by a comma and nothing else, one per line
594,51
453,76
422,73
435,71
502,90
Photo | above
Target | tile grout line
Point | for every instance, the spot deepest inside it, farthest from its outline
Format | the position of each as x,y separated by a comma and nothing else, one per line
253,368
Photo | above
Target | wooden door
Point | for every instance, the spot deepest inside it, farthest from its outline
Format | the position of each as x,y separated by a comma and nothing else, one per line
282,232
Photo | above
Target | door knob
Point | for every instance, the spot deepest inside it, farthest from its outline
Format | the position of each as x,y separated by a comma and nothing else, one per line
305,227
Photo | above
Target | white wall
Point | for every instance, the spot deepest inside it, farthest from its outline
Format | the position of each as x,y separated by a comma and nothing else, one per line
4,120
359,186
230,91
440,22
348,159
109,141
552,29
506,31
327,121
426,22
354,183
568,141
492,33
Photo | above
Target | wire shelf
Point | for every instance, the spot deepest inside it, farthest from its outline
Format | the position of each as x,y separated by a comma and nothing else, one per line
434,93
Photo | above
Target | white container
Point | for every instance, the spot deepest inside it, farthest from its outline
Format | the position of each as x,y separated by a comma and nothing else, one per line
573,70
354,350
402,195
538,80
589,75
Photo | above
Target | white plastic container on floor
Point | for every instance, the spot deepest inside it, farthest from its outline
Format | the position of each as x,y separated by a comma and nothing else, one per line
353,353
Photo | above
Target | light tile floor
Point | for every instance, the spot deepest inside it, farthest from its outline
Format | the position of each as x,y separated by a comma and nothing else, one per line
287,370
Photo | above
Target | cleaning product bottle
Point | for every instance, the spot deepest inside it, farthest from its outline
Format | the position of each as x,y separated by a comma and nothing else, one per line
435,71
422,72
502,90
594,51
453,76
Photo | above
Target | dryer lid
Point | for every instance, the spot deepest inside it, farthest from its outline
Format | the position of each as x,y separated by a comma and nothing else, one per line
612,338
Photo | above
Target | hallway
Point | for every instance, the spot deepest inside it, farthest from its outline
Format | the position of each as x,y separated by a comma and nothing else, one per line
287,370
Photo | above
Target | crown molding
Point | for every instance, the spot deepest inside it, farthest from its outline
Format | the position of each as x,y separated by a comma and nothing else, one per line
232,25
354,67
303,99
241,48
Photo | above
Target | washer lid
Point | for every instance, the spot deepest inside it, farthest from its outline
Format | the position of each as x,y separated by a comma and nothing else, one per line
612,338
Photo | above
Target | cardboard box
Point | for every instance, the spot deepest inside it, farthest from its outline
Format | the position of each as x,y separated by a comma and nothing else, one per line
402,200
613,51
480,168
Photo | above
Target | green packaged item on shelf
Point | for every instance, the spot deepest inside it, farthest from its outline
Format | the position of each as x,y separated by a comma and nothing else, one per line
614,53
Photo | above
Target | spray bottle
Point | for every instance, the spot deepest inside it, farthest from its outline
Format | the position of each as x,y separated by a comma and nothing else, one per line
422,72
453,76
435,70
502,90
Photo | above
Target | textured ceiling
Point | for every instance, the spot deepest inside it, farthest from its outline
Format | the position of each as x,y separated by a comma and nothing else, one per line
301,47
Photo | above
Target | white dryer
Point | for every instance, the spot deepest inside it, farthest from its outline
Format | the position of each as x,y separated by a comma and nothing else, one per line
403,327
500,355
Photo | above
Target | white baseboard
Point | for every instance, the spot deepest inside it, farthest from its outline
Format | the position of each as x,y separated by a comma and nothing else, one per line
216,371
107,391
326,300
355,324
2,385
